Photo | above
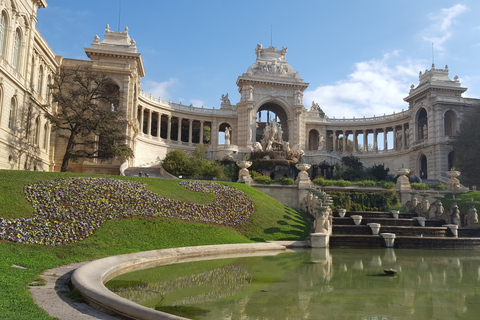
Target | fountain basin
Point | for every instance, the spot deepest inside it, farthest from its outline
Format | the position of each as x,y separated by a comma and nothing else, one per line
357,219
89,279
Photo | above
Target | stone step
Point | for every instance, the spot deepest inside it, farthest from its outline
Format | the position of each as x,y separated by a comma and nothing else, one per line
407,242
375,214
388,221
152,172
398,230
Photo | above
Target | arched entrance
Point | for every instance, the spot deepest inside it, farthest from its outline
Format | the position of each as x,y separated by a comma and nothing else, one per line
270,112
423,167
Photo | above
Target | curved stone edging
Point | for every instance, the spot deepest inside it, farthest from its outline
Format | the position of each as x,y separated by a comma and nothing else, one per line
89,279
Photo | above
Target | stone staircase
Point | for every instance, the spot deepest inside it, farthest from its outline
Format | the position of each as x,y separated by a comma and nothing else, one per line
408,232
152,172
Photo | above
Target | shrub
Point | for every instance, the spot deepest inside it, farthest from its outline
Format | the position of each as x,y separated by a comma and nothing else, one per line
419,186
363,201
366,183
342,183
386,184
285,181
263,180
254,174
438,186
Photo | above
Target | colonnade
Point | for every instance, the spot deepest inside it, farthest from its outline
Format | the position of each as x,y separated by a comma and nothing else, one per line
161,126
338,139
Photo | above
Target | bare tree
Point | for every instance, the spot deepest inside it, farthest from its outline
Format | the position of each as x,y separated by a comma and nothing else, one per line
88,117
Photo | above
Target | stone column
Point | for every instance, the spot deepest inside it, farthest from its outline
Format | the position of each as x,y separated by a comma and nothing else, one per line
159,124
141,120
355,142
395,142
179,134
385,141
190,121
375,140
201,132
344,141
169,128
365,141
149,123
334,139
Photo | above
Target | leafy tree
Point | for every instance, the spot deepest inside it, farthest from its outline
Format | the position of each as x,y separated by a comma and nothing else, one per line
352,162
466,151
379,172
88,117
176,162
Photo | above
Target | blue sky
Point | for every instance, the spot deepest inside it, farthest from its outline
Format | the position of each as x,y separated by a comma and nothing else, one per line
359,57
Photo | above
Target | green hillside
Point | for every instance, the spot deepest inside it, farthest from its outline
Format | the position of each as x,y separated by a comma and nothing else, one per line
270,220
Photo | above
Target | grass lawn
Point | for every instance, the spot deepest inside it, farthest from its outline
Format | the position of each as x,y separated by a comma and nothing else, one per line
270,221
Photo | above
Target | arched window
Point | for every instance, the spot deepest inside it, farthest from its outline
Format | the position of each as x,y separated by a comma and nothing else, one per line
11,115
422,124
45,136
450,123
40,80
36,138
47,90
3,30
32,72
17,49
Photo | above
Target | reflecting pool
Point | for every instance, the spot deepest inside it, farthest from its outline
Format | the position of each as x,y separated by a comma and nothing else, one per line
314,284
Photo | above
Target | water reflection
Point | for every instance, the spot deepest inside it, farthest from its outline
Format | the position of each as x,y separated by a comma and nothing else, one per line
314,284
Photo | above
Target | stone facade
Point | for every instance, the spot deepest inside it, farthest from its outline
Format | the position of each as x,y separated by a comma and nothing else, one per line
271,90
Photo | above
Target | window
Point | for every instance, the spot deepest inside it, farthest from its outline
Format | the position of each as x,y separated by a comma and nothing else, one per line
40,80
11,116
45,137
47,91
36,138
3,29
17,49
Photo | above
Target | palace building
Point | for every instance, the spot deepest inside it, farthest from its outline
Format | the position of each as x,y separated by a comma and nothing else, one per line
271,91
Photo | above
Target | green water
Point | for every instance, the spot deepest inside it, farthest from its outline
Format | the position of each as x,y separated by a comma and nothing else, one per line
314,284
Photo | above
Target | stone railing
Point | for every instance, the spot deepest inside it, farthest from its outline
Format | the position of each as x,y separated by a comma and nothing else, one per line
374,119
180,107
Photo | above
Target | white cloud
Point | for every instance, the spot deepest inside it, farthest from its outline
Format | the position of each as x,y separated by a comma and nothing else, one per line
375,87
440,30
159,89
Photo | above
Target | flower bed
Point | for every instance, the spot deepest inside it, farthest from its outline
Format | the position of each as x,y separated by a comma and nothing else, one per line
69,210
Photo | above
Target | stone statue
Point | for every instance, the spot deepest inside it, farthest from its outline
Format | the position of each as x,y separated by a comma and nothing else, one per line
248,93
272,136
321,142
471,218
422,208
225,99
454,214
227,135
412,203
298,97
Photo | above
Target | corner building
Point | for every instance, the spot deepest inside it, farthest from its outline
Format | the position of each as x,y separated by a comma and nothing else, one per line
271,90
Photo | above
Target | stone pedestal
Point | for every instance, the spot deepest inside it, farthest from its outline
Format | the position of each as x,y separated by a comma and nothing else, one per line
403,185
389,239
243,174
303,180
375,227
319,240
